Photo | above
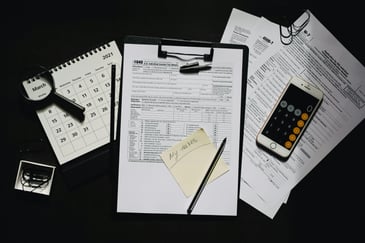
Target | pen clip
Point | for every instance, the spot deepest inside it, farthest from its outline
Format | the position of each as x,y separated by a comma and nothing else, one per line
194,67
188,65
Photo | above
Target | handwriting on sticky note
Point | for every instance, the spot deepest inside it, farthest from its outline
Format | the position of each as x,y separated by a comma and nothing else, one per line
189,160
175,153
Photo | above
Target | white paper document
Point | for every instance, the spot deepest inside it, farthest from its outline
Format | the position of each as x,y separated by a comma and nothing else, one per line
239,27
161,106
316,56
259,34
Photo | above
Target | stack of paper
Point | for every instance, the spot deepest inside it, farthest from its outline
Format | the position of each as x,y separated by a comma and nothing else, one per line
316,56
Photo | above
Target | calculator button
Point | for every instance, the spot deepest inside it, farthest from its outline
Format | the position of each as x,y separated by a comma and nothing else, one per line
292,137
290,108
309,108
300,123
297,112
283,103
296,130
304,116
288,144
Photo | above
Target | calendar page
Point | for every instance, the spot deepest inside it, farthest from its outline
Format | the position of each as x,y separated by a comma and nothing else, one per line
87,81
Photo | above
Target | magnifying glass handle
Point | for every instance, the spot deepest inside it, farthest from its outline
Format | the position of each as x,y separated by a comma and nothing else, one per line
70,106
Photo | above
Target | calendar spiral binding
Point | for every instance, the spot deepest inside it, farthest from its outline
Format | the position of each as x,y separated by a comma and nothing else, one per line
79,58
72,61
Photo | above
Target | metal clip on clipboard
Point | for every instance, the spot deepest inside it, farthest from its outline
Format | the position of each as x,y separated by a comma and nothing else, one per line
189,67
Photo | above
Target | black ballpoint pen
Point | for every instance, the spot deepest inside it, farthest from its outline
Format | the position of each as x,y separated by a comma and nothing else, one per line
194,68
207,176
112,103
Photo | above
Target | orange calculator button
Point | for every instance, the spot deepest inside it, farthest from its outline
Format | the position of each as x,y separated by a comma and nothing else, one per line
304,116
296,130
288,144
292,137
300,123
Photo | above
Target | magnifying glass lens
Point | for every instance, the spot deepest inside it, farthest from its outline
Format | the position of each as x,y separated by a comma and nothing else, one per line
37,89
40,90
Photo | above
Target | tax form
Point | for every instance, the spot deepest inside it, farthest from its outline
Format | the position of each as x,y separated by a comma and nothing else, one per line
243,28
160,106
316,56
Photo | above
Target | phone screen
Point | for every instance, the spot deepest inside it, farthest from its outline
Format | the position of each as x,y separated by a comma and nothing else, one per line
290,116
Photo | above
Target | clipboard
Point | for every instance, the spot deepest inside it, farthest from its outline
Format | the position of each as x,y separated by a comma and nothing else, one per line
160,106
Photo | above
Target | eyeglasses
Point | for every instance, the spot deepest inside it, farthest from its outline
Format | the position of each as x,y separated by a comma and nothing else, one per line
35,178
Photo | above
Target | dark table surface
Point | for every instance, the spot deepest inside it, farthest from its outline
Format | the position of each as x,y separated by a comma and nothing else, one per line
326,205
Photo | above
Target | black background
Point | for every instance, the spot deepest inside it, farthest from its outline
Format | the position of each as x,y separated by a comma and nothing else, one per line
325,205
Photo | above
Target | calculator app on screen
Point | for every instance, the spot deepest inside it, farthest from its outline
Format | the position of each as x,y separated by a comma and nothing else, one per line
290,116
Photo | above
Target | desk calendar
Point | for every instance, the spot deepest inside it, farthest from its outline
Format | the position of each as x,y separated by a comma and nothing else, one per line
87,81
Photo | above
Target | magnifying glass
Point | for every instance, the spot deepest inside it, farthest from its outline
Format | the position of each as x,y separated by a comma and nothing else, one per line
40,92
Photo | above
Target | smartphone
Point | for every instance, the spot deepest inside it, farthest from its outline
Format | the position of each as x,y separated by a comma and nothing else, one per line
289,118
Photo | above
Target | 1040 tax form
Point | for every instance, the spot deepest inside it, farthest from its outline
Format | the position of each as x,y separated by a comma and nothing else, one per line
161,106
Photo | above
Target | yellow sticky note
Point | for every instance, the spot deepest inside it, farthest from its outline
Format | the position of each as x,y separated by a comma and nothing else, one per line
189,160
